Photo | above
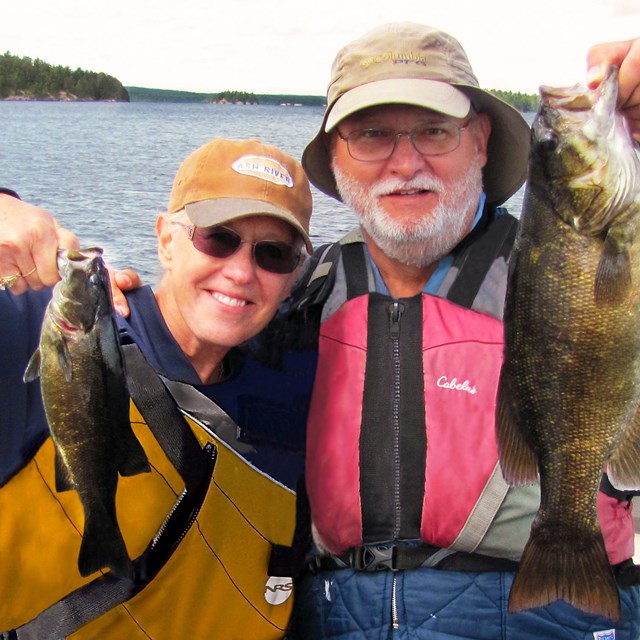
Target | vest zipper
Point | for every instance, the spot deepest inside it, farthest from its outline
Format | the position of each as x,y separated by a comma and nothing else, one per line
396,310
396,313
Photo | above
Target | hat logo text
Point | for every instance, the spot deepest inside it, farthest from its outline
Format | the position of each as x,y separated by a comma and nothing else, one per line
263,168
396,57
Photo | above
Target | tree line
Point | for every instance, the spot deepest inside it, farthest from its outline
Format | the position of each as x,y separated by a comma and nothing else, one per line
36,79
524,102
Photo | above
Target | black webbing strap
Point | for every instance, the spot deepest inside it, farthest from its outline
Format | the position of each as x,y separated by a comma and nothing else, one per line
475,262
355,267
316,288
194,464
290,562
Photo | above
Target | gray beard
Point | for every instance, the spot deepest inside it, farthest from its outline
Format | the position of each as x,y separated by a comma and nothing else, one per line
431,235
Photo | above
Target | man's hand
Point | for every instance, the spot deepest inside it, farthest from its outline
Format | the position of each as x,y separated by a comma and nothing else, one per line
29,241
626,56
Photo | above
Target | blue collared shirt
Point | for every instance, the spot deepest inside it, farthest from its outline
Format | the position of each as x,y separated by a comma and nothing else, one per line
434,282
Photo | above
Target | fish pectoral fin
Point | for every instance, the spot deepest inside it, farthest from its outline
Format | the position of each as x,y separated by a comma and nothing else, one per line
518,461
33,368
613,275
64,359
64,480
623,467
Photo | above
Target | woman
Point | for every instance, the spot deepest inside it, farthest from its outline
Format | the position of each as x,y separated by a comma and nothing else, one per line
200,527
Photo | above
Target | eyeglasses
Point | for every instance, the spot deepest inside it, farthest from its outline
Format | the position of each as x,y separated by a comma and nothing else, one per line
373,145
222,242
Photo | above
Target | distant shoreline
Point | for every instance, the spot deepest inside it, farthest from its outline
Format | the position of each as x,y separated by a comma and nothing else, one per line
524,103
61,96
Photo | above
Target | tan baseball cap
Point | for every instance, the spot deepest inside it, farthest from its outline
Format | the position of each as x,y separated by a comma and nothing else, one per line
407,63
229,179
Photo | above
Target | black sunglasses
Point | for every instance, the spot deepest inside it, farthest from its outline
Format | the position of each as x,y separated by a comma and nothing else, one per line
221,242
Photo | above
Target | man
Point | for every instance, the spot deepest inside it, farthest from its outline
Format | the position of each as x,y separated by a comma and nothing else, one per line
415,533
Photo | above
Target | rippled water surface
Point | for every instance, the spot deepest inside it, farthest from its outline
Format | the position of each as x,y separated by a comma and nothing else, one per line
105,169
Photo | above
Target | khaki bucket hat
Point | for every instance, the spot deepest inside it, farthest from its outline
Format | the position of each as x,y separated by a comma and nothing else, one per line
407,63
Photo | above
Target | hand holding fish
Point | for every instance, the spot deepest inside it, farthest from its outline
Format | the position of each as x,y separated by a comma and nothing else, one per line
29,240
626,56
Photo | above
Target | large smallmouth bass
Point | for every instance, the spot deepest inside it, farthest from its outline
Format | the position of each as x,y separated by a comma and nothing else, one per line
86,402
569,393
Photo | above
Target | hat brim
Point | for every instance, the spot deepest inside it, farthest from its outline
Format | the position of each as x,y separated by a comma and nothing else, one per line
507,152
430,94
209,213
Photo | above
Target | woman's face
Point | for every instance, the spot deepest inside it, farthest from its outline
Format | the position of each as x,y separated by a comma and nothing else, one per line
214,303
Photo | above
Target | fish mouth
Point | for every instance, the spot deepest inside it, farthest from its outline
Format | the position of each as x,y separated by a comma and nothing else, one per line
76,258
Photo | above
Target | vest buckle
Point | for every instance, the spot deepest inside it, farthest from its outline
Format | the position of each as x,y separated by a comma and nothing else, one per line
373,558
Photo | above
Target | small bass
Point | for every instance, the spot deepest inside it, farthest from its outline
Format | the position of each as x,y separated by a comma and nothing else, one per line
86,402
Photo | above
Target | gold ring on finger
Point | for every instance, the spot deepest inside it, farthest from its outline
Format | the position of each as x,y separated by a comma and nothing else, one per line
7,282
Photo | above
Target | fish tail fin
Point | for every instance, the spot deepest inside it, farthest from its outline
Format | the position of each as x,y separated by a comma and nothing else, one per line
103,546
556,566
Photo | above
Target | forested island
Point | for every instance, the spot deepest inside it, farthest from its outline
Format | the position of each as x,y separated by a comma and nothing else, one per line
26,79
142,94
22,78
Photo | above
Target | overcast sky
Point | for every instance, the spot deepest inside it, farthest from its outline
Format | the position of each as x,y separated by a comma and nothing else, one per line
287,46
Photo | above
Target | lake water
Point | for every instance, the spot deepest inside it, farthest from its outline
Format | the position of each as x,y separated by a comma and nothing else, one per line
106,169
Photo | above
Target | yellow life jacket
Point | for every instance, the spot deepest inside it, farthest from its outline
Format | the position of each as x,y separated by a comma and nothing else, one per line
215,583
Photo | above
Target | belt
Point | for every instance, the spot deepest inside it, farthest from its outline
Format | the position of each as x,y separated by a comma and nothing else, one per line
404,557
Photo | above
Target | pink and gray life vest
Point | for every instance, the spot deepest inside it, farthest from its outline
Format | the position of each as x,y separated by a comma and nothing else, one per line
401,438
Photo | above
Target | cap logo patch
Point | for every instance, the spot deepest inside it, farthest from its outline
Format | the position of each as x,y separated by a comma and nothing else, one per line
263,168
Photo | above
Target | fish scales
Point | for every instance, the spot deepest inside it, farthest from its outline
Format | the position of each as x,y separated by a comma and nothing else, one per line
569,391
86,402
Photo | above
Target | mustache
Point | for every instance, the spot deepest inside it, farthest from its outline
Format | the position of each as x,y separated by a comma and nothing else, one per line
393,185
